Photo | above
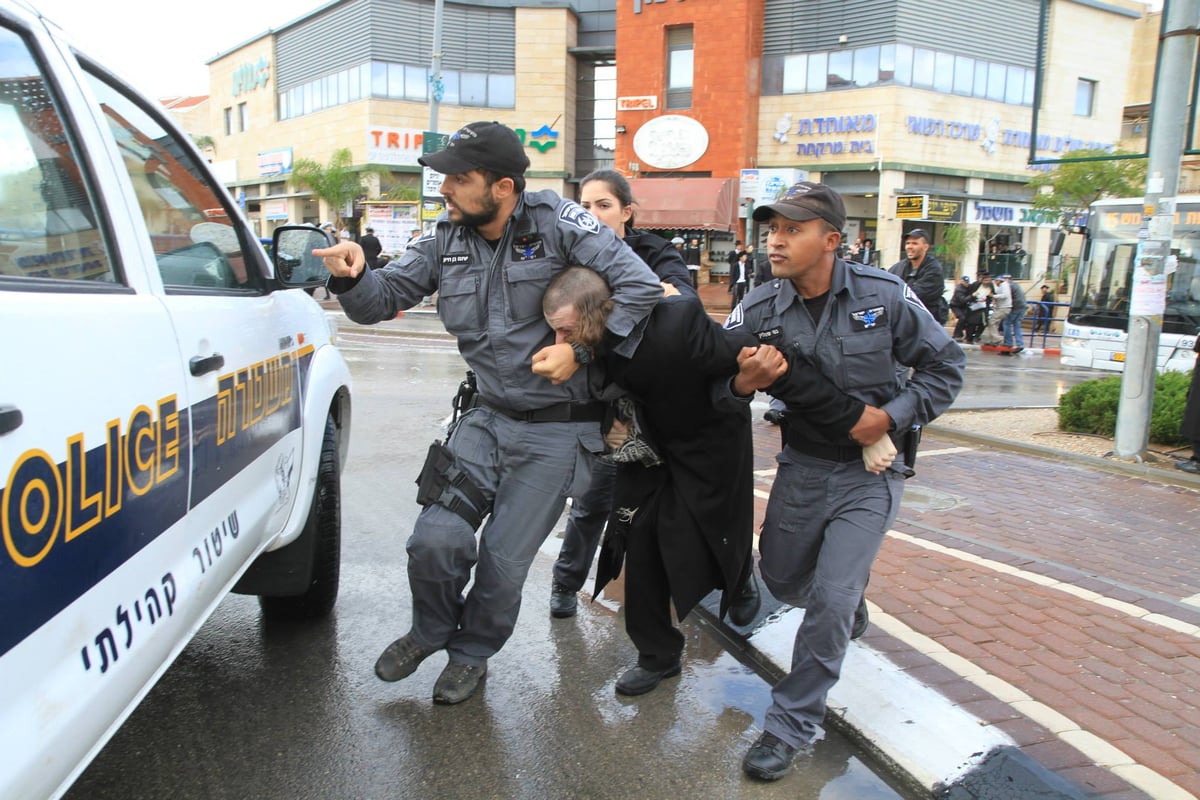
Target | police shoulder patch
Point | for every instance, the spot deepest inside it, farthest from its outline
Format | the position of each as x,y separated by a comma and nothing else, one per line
735,318
580,217
911,297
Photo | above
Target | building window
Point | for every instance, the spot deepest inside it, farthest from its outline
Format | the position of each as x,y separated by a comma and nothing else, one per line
900,65
228,114
1085,97
243,117
680,67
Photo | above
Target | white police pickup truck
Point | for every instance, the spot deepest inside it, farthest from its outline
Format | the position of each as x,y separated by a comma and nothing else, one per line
173,414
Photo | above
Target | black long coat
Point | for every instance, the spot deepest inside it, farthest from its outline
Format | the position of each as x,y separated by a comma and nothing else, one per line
701,500
1190,429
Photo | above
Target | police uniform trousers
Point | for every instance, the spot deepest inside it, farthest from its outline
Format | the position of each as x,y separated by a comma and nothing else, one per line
525,470
824,524
585,524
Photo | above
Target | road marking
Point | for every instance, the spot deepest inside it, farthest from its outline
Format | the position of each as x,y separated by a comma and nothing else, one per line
1095,748
1194,600
945,451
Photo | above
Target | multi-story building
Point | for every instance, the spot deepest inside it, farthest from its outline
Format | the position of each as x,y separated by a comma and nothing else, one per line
299,92
920,113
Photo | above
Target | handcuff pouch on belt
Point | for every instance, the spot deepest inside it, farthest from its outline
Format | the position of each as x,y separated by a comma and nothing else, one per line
439,475
908,451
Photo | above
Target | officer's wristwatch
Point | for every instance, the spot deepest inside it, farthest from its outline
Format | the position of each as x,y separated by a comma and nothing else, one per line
583,354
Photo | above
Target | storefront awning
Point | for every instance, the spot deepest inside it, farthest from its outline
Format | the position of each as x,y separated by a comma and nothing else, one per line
685,203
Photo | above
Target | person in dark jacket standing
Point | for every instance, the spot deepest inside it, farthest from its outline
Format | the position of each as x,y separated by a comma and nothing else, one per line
1190,428
691,257
371,248
923,273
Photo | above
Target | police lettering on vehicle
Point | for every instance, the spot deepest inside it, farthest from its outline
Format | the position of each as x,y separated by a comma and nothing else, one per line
867,318
66,525
580,217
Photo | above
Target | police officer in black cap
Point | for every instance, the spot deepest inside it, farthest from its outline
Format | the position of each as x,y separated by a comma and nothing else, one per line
512,459
863,329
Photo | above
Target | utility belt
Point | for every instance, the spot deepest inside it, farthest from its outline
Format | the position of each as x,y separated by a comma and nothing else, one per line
906,446
828,452
580,411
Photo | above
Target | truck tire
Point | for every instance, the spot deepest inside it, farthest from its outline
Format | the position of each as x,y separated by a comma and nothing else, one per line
323,533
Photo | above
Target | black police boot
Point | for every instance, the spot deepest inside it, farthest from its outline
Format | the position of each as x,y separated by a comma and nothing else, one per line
457,682
745,606
769,758
564,602
401,658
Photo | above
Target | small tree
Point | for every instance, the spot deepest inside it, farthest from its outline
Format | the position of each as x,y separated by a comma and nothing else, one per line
1075,186
958,241
337,183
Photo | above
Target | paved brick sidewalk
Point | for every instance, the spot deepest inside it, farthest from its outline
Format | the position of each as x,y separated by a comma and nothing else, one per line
1055,601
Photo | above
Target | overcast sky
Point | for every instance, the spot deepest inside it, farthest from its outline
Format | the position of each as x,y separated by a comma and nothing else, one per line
161,47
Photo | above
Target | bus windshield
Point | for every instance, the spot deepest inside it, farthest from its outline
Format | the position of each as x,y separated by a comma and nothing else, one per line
1105,279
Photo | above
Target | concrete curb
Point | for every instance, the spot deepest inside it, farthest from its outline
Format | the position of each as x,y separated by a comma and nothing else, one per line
1144,469
922,738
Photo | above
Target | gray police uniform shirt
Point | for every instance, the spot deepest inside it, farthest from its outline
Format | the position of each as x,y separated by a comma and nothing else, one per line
491,300
872,325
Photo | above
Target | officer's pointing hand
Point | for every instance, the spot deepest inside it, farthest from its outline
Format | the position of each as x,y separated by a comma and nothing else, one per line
343,260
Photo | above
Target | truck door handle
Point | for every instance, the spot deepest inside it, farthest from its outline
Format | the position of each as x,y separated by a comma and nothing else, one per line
200,365
10,419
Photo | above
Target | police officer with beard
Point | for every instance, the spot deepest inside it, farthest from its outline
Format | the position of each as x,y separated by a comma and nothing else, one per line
863,329
512,459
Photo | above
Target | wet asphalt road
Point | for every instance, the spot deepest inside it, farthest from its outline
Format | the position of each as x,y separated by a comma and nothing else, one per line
251,710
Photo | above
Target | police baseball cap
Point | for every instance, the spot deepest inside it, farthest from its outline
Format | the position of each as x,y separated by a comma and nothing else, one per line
805,201
480,145
916,233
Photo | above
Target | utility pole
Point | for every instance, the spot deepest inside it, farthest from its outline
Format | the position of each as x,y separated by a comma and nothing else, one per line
1168,121
436,87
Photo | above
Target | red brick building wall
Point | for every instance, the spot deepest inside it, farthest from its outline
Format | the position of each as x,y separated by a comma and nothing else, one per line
727,49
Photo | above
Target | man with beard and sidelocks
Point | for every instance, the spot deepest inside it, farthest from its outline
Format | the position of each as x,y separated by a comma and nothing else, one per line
686,521
511,460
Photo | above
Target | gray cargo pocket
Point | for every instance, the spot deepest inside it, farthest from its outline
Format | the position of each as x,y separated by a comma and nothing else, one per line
867,358
526,283
459,304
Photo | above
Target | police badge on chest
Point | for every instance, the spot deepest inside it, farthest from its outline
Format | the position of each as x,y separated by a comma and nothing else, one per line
528,248
868,318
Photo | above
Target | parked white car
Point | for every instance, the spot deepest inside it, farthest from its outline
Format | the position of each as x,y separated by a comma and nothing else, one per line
173,413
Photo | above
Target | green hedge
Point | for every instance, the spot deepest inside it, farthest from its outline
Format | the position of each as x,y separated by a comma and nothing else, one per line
1091,407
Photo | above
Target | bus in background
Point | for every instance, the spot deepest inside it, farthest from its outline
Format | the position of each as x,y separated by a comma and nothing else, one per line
1095,332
